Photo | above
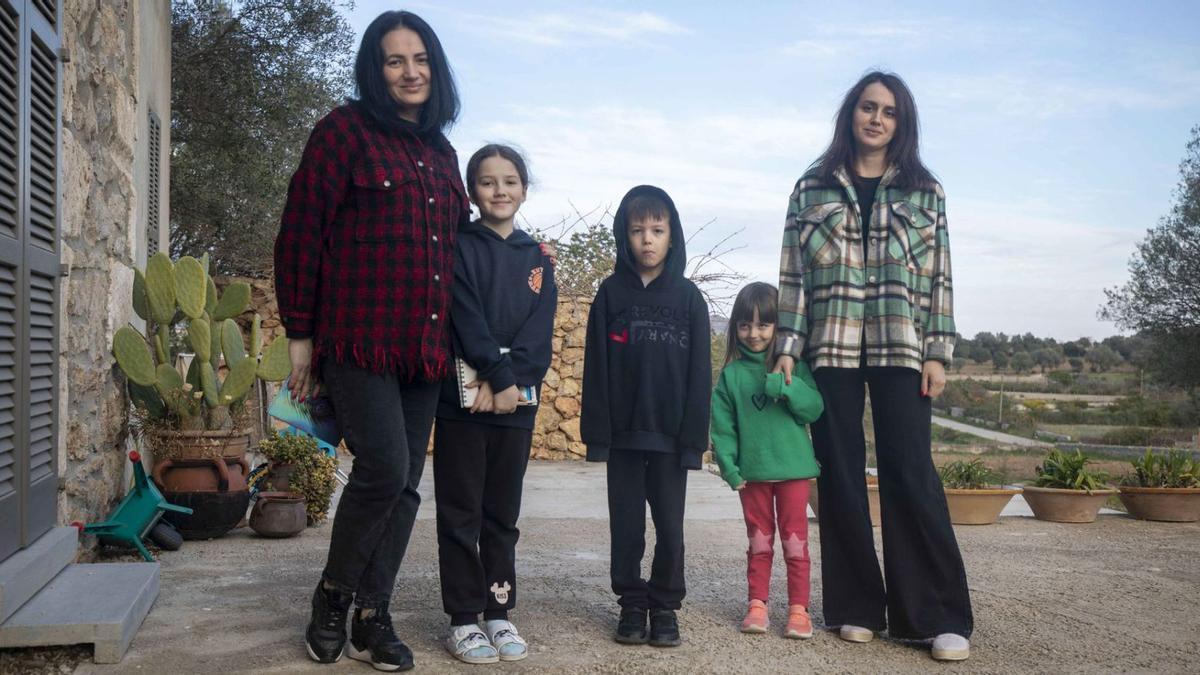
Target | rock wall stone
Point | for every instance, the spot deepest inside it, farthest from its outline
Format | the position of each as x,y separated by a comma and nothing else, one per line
99,242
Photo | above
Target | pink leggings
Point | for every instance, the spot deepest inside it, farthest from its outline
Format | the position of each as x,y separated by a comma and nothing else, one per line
764,504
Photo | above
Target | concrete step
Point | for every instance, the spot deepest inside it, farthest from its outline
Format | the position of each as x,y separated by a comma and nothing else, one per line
103,604
25,572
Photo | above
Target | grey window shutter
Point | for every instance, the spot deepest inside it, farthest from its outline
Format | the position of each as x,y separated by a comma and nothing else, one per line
30,129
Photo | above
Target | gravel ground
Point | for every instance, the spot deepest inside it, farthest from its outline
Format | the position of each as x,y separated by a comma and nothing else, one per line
1116,595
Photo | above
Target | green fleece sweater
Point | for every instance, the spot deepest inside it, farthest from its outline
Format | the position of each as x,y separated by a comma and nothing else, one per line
758,422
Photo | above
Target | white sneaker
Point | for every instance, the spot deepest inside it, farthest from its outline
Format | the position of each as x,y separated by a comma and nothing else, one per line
469,645
950,647
505,639
856,634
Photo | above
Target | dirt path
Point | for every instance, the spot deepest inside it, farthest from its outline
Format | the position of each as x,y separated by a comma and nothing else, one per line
1115,595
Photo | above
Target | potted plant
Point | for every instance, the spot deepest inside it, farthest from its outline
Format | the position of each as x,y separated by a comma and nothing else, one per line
195,422
1163,487
973,492
298,465
1066,490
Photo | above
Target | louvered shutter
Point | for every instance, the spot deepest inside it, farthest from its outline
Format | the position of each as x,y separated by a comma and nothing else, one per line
29,269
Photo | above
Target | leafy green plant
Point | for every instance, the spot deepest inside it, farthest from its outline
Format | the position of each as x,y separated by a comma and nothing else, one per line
170,293
1069,472
1174,469
968,475
314,471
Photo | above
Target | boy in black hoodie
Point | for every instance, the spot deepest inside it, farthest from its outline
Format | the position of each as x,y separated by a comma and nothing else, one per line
647,379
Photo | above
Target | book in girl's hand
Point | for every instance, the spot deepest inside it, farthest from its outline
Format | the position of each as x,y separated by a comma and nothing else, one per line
314,416
467,374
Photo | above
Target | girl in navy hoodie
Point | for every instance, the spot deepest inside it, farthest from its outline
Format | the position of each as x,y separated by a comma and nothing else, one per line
502,317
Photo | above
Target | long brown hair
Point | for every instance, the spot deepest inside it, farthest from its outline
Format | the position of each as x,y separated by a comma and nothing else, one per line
759,295
903,151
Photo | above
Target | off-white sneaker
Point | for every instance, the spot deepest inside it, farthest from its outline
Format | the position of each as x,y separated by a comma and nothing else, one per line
469,645
950,647
505,639
856,634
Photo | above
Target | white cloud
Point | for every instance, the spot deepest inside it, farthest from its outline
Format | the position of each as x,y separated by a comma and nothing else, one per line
589,27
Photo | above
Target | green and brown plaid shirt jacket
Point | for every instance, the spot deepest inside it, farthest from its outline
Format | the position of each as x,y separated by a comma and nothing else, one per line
897,303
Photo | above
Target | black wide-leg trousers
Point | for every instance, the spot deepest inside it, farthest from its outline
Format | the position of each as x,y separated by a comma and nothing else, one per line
926,585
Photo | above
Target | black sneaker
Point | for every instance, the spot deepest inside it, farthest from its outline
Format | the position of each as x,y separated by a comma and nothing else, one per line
325,637
374,641
631,629
664,628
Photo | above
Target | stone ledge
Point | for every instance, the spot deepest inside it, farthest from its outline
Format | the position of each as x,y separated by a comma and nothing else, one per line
25,572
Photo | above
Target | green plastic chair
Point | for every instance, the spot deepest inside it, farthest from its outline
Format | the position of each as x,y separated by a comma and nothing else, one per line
136,515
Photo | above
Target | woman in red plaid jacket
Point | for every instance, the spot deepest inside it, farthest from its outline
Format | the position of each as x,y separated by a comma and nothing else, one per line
363,272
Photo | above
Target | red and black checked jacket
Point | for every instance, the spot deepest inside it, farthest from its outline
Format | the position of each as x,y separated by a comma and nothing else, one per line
365,252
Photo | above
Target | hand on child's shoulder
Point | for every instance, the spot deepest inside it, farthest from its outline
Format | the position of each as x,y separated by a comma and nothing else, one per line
548,250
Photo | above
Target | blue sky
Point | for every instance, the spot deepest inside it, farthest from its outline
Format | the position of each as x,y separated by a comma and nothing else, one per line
1055,128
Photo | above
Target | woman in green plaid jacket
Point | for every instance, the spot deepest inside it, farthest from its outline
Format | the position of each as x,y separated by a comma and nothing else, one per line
865,300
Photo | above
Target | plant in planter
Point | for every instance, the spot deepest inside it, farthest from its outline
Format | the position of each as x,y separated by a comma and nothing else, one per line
1163,487
298,465
973,492
193,422
1066,490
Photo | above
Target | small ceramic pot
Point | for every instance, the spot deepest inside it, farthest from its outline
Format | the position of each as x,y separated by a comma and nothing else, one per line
278,514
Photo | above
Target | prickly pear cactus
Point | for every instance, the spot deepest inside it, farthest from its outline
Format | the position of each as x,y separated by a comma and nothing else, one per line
180,299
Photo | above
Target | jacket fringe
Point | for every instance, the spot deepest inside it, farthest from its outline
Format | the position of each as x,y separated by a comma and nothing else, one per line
381,359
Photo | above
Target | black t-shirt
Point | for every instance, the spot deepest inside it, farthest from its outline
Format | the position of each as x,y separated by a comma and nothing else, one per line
865,187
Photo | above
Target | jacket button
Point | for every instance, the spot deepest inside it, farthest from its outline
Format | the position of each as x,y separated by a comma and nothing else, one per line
387,183
434,317
437,277
435,237
431,200
420,163
871,279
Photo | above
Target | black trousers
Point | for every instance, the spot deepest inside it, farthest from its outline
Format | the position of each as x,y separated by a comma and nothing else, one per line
634,478
386,425
926,592
478,472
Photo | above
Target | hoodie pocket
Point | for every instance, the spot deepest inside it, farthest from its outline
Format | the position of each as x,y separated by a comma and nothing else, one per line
912,234
387,201
821,233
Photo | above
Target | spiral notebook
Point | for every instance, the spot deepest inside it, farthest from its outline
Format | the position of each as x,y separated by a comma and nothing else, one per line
467,374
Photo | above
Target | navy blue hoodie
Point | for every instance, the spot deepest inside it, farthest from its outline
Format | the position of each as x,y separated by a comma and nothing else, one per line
504,296
647,375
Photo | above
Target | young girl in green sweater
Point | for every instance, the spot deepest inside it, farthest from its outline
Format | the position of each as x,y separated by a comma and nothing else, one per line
760,442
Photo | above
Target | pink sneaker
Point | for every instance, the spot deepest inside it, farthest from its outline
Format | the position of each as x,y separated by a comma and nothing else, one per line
756,620
799,624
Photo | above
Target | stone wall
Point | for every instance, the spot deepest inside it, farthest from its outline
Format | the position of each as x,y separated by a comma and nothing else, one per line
100,245
556,435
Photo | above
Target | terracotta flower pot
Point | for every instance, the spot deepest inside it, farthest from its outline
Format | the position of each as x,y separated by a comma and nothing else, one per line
872,500
978,506
213,513
279,477
1065,506
278,514
205,471
217,474
195,445
1172,505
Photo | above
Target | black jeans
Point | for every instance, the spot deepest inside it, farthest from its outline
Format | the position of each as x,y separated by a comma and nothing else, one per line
926,584
478,472
386,425
635,477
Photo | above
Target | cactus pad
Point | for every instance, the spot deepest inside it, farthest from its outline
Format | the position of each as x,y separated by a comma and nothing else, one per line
190,286
232,302
232,343
200,337
134,356
276,363
141,306
238,381
160,287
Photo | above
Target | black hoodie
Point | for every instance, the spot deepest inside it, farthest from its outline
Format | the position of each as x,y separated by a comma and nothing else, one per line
504,296
647,377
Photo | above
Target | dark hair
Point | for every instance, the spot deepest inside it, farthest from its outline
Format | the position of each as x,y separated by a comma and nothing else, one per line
646,206
439,112
759,295
903,151
495,150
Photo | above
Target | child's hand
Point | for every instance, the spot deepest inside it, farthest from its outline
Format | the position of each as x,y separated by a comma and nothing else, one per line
483,398
741,486
933,379
548,250
506,401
